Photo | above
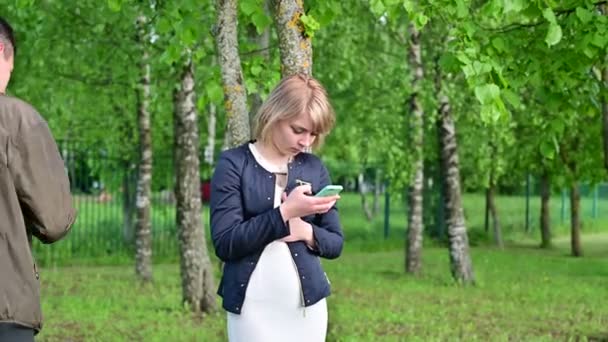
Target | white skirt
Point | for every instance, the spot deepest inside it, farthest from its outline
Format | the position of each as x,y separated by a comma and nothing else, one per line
273,310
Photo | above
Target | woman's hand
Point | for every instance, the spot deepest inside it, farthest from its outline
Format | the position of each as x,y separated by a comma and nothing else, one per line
300,230
299,203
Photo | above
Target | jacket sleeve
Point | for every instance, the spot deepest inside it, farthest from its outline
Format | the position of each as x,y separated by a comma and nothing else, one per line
41,182
233,236
326,227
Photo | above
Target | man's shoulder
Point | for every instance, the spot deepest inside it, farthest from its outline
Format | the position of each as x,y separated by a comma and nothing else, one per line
18,113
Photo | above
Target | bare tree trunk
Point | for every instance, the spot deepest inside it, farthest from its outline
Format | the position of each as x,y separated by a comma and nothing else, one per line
295,47
128,203
545,216
491,203
143,228
413,255
604,99
575,220
211,122
486,222
198,284
362,191
460,258
235,97
605,114
495,220
263,42
377,193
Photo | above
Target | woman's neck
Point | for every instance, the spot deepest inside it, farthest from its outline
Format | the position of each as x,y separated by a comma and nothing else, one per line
271,154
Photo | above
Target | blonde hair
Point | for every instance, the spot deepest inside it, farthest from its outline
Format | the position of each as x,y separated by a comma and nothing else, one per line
294,95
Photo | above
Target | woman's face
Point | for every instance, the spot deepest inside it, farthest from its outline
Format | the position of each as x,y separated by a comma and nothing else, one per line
291,137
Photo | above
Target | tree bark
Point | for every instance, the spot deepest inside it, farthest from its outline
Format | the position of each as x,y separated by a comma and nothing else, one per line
362,191
545,215
575,220
413,255
377,193
495,220
460,260
143,228
604,99
128,202
211,122
295,46
235,97
491,203
198,284
605,114
262,41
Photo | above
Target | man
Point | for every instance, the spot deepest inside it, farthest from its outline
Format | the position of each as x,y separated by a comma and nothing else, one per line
35,201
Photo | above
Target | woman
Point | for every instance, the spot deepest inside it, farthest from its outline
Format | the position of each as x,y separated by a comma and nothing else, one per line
266,226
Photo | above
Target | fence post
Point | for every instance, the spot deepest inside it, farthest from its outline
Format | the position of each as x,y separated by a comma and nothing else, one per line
594,212
387,203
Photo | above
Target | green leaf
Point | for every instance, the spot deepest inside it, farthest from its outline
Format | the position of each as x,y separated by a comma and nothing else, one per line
599,40
487,93
261,21
554,35
549,15
462,10
187,37
377,7
499,44
448,62
511,97
420,20
310,25
163,26
547,150
115,5
514,5
25,3
214,92
408,5
256,70
248,6
584,14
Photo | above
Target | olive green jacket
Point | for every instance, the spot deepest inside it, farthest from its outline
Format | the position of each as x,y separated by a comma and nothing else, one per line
34,200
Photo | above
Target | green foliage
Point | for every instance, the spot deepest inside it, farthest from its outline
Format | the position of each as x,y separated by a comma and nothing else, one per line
310,25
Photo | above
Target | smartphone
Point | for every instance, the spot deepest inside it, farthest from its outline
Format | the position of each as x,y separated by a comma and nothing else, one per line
329,190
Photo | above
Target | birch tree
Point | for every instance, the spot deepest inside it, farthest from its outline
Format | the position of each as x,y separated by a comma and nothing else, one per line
235,97
460,255
198,285
143,228
415,214
294,42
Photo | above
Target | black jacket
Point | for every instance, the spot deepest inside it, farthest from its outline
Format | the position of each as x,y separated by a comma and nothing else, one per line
243,222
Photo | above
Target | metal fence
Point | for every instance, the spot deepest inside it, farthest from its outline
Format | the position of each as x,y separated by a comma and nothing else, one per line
104,185
103,189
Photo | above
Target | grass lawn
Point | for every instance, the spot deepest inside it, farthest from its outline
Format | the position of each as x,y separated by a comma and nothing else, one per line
522,294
